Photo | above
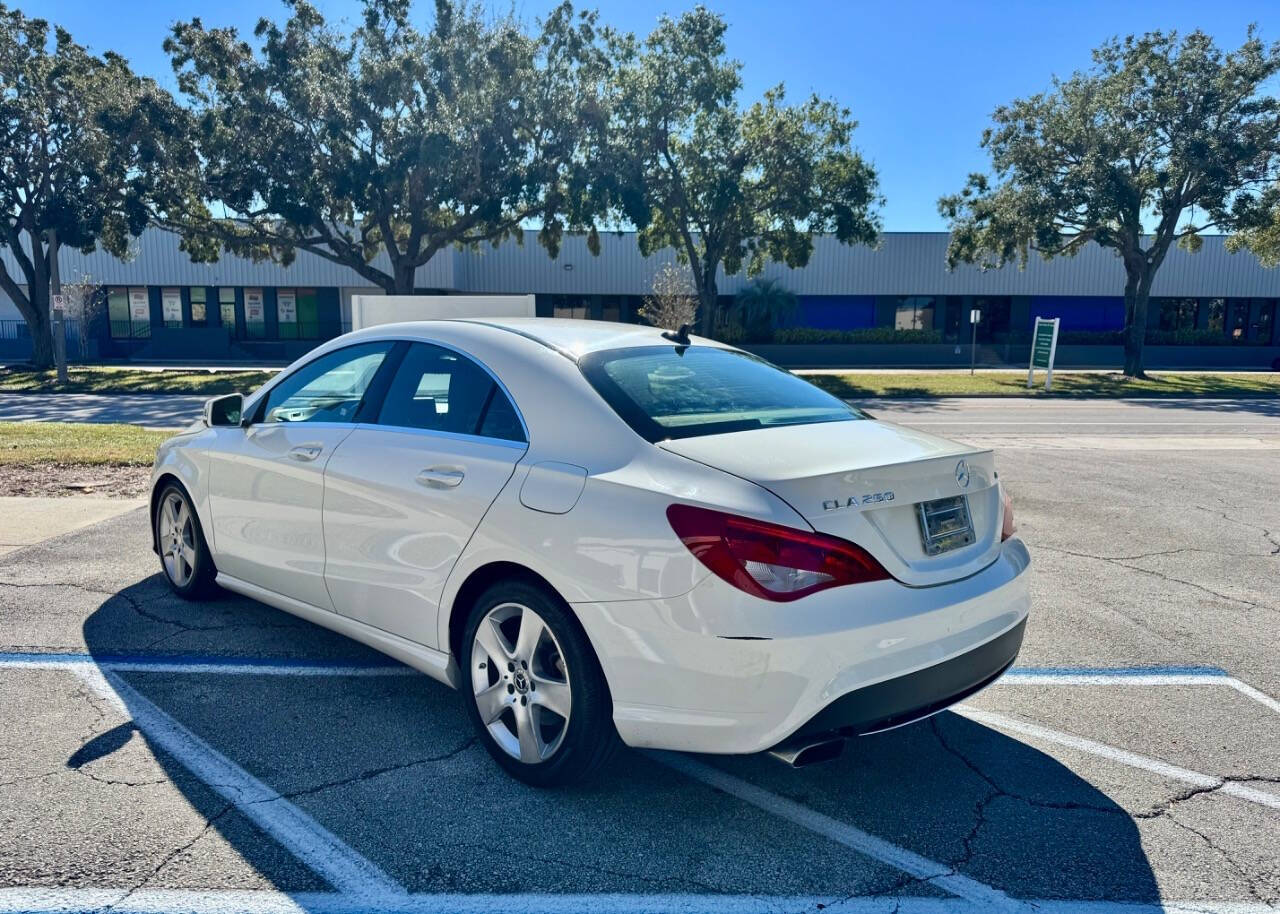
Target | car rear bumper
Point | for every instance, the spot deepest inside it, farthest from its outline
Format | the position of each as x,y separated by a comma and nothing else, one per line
722,672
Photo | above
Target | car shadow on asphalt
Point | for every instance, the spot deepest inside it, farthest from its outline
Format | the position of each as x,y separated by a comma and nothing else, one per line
389,765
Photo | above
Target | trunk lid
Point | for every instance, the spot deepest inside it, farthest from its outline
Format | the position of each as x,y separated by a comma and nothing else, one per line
865,481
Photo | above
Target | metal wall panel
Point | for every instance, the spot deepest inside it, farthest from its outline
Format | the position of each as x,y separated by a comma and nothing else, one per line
905,263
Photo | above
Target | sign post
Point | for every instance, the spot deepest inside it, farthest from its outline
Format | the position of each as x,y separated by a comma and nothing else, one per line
1044,346
974,316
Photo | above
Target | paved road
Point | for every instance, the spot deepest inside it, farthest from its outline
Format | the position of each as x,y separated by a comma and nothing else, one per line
151,410
1000,420
171,782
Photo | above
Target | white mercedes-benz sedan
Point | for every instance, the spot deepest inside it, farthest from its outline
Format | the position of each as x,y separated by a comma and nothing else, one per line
601,533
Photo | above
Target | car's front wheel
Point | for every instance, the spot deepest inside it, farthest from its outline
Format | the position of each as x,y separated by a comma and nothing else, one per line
184,555
535,690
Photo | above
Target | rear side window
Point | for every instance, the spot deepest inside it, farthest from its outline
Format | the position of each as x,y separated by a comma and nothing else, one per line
440,390
666,392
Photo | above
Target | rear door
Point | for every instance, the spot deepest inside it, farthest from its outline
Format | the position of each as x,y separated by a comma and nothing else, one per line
266,481
405,491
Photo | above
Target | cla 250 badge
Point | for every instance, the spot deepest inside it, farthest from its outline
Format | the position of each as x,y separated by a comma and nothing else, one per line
856,501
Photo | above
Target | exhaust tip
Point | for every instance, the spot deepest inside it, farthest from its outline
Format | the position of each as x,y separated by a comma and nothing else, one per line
800,755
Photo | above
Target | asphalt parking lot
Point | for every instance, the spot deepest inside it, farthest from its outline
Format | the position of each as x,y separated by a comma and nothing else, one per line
160,755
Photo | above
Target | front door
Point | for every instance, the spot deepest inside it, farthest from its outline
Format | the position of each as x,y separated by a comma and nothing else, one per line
266,481
405,491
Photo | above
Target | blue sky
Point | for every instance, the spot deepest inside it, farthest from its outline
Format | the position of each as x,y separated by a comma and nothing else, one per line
921,77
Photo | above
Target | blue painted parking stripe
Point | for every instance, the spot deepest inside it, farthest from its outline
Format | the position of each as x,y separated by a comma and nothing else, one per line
1117,672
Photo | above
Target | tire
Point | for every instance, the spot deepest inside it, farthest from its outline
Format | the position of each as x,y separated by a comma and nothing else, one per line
184,554
526,731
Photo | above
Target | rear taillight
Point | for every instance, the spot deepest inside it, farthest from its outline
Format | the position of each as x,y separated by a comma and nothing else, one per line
1008,528
768,560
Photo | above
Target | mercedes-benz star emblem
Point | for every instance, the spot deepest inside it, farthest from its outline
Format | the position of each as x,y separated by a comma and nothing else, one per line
962,474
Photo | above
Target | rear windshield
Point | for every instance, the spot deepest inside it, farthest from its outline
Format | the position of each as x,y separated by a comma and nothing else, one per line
666,392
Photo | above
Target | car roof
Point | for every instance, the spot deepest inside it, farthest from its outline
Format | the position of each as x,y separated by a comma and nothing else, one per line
575,338
571,338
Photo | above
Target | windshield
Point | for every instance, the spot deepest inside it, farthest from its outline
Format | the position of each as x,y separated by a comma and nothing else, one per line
666,392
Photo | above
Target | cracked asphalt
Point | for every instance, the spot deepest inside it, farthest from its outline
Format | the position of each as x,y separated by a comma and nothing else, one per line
1168,558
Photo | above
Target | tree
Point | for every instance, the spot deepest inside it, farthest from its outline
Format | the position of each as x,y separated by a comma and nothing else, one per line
722,185
377,150
85,301
84,152
1163,131
761,306
672,303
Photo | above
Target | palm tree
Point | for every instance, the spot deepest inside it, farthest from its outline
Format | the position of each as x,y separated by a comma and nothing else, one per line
761,306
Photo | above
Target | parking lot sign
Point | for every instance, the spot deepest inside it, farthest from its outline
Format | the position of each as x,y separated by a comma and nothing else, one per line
1044,346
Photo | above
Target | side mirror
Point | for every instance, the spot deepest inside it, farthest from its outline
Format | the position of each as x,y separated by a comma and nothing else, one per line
223,411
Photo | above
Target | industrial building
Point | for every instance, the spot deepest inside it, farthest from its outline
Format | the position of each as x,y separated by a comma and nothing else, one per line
161,306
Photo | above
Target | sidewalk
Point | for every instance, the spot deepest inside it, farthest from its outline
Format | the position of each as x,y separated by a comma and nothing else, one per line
27,521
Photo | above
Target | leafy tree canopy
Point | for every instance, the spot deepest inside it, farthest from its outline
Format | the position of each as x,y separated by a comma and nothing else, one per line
1164,130
379,148
84,150
722,185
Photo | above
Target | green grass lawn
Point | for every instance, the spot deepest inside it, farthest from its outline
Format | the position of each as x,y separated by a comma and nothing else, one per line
33,443
1074,384
124,380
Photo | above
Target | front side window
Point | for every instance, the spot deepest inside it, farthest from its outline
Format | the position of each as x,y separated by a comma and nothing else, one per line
666,392
328,389
441,390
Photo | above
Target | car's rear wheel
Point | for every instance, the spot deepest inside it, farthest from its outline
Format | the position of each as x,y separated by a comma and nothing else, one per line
535,690
184,555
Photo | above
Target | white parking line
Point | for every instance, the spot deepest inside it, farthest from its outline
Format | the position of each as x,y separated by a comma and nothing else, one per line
1137,677
937,874
232,901
1121,756
313,844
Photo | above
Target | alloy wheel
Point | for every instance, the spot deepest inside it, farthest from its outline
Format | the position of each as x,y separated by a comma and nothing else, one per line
521,682
177,537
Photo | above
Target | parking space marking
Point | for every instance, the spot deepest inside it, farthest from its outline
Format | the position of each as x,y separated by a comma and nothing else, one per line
1136,676
234,901
226,666
363,886
937,874
309,841
1121,756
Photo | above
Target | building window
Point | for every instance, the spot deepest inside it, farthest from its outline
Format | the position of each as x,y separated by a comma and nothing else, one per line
171,307
129,313
1217,317
199,312
1178,313
570,306
227,308
1238,318
255,314
994,322
611,308
287,313
1263,326
915,313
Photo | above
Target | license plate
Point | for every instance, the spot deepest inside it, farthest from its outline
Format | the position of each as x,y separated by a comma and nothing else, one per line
945,524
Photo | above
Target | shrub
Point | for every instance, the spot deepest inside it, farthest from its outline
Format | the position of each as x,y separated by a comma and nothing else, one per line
865,335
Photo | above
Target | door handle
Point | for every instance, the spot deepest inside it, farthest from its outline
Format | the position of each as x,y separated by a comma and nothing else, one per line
441,477
306,452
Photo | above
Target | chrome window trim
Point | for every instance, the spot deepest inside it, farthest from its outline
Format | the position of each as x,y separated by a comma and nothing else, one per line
251,403
439,433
